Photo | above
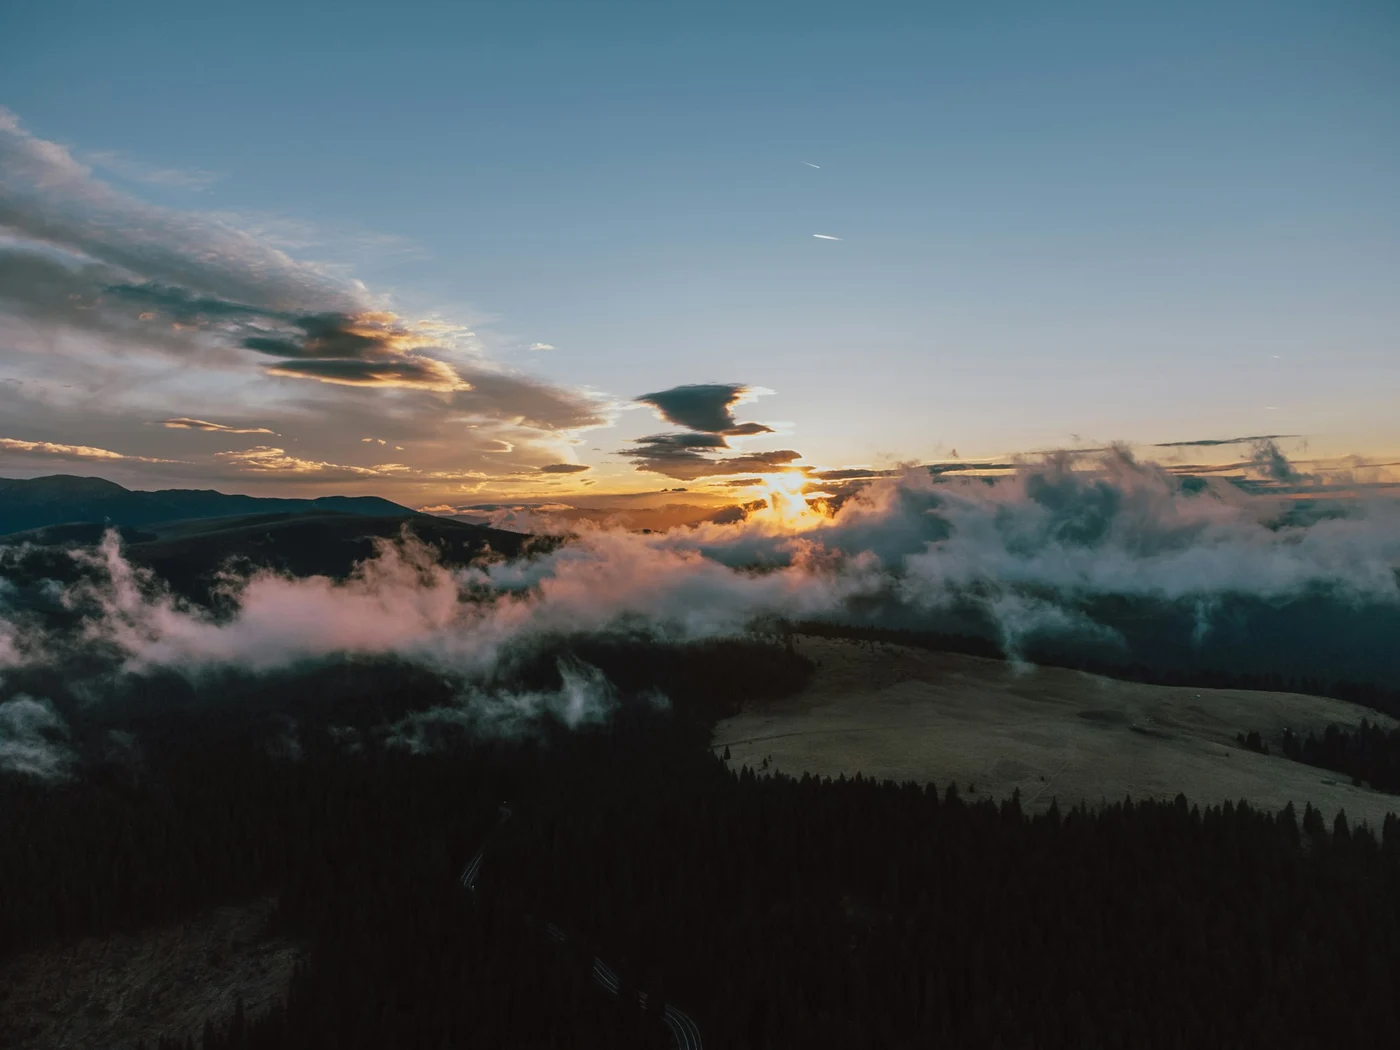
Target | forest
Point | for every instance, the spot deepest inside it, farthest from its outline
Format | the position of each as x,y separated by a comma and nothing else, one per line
775,912
1367,754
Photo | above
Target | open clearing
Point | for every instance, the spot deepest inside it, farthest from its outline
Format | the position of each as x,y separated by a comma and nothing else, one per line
115,992
887,711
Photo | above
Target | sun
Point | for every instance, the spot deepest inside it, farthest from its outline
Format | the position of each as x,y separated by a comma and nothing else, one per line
787,501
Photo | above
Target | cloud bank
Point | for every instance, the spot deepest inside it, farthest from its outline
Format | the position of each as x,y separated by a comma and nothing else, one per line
33,739
1116,560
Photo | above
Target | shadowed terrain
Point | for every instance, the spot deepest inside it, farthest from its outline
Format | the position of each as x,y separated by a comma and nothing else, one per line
34,503
887,711
190,554
121,991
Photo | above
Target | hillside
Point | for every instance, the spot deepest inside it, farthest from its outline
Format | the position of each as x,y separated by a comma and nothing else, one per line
187,554
909,714
36,503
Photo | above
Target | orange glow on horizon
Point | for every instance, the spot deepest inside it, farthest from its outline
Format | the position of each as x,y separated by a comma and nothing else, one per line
787,509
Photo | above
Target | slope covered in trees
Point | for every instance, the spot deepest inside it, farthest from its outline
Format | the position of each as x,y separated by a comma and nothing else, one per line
1368,754
777,912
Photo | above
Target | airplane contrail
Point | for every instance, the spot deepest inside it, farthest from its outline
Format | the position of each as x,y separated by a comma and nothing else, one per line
825,237
811,165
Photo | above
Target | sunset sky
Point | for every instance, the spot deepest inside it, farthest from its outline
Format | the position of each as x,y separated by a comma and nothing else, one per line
451,254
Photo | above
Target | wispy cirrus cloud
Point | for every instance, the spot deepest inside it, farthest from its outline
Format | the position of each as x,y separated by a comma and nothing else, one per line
134,170
58,450
185,423
271,460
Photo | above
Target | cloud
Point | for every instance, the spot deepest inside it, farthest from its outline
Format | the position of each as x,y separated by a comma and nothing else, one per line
706,409
700,406
1112,557
1210,442
686,464
852,474
747,430
423,373
60,451
564,468
100,290
137,171
584,697
267,459
185,423
403,602
273,463
48,448
682,440
366,349
527,402
1274,465
541,346
34,739
51,199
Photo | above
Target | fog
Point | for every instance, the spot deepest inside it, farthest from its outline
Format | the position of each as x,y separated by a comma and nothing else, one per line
1111,559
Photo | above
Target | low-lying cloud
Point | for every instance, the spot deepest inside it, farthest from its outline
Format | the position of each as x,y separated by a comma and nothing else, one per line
584,697
1116,558
34,739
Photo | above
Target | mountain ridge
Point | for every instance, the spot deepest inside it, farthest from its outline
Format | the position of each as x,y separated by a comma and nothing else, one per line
68,499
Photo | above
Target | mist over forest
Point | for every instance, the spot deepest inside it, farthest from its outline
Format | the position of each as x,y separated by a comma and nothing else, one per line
1116,566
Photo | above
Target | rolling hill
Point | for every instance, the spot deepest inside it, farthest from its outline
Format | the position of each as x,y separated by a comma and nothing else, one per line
188,554
889,711
188,537
62,499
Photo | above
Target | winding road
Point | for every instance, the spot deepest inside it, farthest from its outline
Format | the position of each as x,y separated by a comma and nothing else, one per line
685,1033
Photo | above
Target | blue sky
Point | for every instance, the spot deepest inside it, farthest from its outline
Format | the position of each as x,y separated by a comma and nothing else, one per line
1060,224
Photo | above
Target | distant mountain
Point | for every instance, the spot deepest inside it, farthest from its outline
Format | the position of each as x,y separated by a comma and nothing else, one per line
191,555
638,519
62,499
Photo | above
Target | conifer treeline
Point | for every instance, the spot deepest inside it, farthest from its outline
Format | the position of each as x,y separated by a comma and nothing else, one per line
859,914
1368,754
776,912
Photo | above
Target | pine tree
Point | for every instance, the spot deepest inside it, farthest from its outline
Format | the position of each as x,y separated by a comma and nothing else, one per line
1313,824
1341,831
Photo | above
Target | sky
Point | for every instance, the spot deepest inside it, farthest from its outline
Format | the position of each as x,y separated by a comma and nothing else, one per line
458,253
